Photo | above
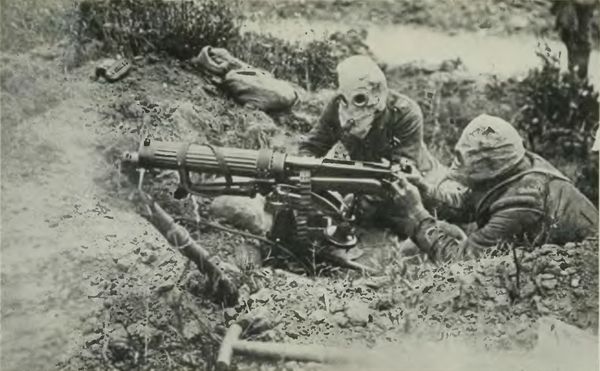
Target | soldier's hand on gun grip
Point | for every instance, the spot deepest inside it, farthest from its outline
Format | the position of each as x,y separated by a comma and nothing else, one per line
418,180
405,194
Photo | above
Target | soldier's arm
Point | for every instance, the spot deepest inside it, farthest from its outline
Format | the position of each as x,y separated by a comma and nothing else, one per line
407,132
324,135
509,217
445,198
449,200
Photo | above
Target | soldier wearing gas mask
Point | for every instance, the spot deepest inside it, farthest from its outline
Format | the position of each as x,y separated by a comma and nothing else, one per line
373,124
514,196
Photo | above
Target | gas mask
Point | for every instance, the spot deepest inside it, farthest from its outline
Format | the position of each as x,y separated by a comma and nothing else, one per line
362,95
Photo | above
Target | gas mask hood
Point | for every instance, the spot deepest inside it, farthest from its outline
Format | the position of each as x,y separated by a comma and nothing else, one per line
362,93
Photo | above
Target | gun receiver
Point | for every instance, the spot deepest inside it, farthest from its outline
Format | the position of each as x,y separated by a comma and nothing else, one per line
298,188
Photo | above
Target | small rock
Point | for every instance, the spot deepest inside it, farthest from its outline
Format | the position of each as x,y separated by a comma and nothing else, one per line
243,212
540,306
122,267
340,319
46,53
191,329
384,304
258,321
187,114
319,316
292,335
229,314
571,270
262,296
549,284
151,258
301,316
570,246
553,268
290,366
358,313
371,282
336,306
518,22
546,276
164,288
528,289
575,281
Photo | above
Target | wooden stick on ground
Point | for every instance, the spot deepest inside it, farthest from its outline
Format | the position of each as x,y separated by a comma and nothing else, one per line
180,238
226,350
284,352
296,352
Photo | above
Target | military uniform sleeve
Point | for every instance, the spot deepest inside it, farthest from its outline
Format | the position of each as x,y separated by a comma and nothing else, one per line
324,135
407,131
508,218
449,200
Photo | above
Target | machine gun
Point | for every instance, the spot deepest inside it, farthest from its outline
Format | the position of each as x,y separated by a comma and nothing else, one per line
304,194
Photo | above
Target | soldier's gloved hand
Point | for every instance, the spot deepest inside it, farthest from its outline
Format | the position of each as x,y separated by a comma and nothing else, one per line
405,195
418,180
367,206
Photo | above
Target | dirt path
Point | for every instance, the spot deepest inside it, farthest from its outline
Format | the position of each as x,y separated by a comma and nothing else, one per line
399,44
59,229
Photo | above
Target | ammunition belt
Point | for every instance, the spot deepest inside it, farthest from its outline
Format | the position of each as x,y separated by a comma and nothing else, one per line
303,206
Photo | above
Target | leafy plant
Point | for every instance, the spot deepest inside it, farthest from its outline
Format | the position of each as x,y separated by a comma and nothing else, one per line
311,66
28,23
558,111
179,28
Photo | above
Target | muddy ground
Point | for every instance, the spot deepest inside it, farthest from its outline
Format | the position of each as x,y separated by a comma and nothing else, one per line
88,284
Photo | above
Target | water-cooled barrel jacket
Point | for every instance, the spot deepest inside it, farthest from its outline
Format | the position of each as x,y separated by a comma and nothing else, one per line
533,200
396,133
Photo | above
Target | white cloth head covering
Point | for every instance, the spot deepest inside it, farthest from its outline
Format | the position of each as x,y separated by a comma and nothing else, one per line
487,148
360,72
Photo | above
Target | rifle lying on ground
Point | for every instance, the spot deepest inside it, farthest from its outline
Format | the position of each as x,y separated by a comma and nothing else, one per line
303,193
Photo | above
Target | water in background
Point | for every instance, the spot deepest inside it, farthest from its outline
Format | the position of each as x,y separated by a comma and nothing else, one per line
503,56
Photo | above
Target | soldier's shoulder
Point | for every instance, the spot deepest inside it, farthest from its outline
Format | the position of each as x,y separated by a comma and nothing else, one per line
531,184
526,191
403,103
330,110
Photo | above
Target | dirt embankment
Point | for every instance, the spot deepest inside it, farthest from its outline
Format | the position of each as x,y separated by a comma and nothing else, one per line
60,227
68,228
88,282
